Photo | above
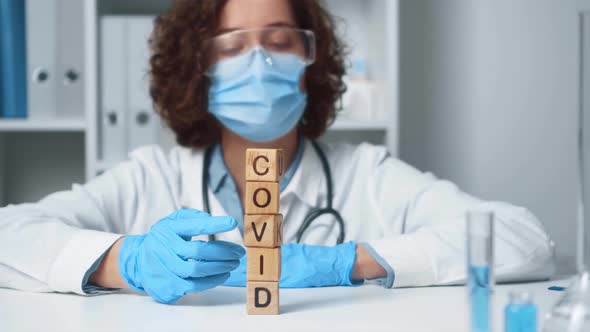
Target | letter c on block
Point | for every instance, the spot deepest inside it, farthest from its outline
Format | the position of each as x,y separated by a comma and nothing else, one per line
257,303
255,165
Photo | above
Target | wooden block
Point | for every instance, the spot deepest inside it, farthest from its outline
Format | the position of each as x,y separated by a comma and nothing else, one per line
263,264
262,197
264,165
263,230
263,298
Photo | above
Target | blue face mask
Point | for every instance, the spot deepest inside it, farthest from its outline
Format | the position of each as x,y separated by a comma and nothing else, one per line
257,95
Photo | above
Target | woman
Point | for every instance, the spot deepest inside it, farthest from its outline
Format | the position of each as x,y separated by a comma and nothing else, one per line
237,74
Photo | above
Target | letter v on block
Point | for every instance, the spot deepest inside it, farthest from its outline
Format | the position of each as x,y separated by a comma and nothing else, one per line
263,230
258,235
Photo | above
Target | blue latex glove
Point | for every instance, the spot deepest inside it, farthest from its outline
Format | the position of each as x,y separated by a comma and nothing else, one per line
309,266
166,264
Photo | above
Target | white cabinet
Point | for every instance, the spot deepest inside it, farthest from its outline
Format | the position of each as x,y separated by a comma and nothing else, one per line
40,156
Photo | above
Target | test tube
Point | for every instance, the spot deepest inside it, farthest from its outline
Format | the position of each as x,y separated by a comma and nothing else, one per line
480,263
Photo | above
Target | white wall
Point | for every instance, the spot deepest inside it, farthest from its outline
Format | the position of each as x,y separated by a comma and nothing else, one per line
435,86
489,97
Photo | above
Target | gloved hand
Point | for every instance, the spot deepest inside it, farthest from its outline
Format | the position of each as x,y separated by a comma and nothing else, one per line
305,266
166,264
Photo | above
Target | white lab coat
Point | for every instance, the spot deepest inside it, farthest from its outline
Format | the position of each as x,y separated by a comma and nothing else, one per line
414,221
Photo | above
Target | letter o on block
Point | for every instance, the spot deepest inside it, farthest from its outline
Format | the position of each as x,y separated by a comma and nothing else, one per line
262,198
261,202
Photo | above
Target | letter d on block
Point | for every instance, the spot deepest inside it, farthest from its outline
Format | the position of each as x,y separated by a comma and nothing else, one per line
263,298
258,303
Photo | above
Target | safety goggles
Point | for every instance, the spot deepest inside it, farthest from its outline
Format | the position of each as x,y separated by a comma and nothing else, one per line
231,47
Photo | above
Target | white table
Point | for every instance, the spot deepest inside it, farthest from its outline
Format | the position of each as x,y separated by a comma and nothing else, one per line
365,308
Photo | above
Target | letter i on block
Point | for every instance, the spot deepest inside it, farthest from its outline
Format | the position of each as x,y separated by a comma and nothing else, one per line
263,230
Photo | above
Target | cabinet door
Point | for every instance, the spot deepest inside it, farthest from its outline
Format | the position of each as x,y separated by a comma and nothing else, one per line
143,123
71,79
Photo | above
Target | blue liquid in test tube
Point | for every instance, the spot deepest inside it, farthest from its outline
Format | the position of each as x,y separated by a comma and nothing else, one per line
480,272
479,290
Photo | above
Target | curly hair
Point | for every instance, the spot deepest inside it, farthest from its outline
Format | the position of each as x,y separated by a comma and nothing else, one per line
179,86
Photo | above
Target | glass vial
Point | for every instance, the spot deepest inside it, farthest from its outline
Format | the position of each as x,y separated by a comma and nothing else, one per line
520,314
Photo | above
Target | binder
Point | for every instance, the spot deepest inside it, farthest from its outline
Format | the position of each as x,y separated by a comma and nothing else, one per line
143,123
41,27
113,86
70,59
128,118
55,54
13,93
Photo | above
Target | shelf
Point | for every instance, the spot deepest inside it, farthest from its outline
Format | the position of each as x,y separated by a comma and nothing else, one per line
29,125
344,123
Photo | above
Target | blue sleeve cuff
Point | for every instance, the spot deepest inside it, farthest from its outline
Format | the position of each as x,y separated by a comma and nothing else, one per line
386,282
92,289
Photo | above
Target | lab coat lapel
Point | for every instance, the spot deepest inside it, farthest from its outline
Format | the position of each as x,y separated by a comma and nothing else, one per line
191,171
308,182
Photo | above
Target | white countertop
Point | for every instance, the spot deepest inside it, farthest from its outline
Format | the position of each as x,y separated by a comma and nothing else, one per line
364,308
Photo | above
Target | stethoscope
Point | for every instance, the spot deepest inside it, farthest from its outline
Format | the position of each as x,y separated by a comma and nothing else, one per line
311,216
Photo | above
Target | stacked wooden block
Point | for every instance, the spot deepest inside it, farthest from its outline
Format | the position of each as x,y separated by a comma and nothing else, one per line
263,230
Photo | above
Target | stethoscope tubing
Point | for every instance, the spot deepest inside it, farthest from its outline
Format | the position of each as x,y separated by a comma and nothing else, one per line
311,216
